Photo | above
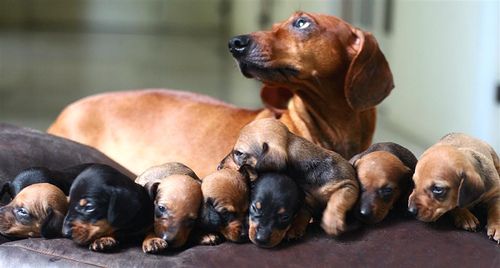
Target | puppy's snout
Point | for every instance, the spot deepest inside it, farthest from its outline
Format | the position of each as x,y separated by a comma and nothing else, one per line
239,45
413,210
366,212
66,229
262,238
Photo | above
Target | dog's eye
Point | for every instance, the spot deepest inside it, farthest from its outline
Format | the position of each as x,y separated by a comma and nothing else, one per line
88,208
386,191
237,153
284,218
162,209
438,190
301,23
22,212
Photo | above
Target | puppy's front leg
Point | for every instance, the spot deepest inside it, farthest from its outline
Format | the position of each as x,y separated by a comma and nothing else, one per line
339,203
153,244
464,219
493,228
103,243
299,224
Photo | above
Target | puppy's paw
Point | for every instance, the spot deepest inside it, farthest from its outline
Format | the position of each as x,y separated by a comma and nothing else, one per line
332,224
295,233
466,220
154,245
494,232
210,240
103,244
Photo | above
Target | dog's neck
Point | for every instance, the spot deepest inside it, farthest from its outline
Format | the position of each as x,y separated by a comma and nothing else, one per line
324,117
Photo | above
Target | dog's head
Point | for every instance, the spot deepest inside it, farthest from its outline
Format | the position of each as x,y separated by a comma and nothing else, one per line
275,201
37,210
445,177
177,199
314,49
102,201
261,145
383,179
225,204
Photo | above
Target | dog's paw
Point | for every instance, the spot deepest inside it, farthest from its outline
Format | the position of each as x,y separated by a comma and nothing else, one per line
295,233
210,240
332,224
154,245
493,231
103,244
466,220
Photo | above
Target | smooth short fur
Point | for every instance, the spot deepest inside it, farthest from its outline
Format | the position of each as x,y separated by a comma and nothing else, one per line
385,173
327,179
454,175
176,192
323,81
37,210
226,197
275,202
105,206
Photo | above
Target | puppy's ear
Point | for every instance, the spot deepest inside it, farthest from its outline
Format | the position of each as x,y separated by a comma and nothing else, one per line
52,226
369,79
272,158
470,189
355,159
152,189
6,189
123,206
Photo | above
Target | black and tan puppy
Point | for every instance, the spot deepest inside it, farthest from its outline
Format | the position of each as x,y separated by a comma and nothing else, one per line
60,178
226,197
176,192
275,201
106,206
328,180
384,172
454,175
37,210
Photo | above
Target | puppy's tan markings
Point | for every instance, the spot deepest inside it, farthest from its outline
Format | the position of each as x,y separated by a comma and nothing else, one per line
103,243
153,244
83,232
299,224
82,202
210,240
464,219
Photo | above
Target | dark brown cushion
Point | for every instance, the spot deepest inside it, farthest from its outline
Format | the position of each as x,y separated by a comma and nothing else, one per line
395,243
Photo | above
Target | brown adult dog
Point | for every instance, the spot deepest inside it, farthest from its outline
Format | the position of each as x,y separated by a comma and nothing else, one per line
328,180
225,206
321,76
384,172
38,210
176,191
454,175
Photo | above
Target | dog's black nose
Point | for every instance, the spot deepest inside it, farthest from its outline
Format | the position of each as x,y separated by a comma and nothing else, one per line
262,239
365,212
66,231
239,45
413,210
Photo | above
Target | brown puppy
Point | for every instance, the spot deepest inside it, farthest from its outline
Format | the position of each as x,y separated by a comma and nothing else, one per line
321,76
37,210
384,172
225,205
454,175
176,192
327,179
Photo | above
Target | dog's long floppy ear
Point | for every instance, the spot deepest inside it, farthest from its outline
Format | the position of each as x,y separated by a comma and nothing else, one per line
471,188
123,206
369,79
152,189
6,189
275,98
272,158
52,226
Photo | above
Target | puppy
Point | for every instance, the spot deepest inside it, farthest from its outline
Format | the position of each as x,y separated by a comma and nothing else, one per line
105,207
225,206
454,175
384,172
60,178
275,201
327,179
176,191
37,210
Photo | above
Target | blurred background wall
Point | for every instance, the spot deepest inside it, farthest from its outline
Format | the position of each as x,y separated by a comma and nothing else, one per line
445,56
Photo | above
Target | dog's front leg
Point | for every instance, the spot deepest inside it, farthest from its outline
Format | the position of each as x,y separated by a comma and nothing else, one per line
341,201
493,227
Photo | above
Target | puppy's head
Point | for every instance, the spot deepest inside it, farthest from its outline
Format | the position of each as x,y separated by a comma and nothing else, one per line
225,204
383,179
315,49
261,145
101,202
445,177
37,210
275,200
177,199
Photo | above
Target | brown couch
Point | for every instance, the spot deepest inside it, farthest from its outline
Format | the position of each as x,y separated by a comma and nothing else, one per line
398,241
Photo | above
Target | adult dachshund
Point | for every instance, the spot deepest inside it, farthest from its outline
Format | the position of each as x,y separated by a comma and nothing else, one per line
321,77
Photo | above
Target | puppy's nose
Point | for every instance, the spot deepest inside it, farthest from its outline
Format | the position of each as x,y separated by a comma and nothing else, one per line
262,239
238,45
66,230
365,212
413,210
